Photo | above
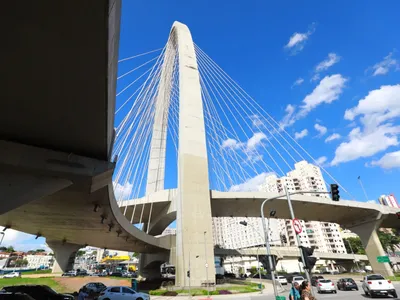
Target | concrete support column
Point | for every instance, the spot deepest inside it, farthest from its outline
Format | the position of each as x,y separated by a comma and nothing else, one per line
150,264
64,255
373,247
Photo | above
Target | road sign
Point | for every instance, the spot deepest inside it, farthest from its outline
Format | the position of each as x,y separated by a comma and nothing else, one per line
383,259
297,226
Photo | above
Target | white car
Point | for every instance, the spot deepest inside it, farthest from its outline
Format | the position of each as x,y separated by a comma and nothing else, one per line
326,286
122,293
298,279
375,284
282,280
12,275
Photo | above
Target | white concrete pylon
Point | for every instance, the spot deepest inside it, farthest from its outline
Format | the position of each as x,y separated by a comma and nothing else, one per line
194,222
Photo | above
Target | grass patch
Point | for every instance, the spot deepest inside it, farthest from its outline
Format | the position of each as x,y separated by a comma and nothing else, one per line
232,289
36,272
49,281
394,278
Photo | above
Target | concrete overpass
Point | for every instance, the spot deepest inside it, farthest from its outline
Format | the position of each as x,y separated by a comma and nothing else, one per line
288,252
57,127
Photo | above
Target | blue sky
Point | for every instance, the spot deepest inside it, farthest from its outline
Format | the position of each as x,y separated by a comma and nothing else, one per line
316,61
339,51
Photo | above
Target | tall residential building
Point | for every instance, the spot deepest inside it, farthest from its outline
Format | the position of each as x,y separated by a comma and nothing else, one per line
388,200
325,237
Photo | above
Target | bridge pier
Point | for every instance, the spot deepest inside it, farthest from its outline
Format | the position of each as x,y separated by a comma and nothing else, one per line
64,255
373,247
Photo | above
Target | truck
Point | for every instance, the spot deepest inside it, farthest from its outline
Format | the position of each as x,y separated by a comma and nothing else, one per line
376,285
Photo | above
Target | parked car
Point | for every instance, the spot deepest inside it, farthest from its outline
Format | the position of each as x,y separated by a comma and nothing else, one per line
122,293
282,279
326,286
377,285
38,292
346,284
12,275
95,287
298,279
81,273
69,274
314,279
116,274
14,296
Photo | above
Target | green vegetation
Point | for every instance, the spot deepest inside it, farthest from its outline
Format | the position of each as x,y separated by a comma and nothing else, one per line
48,271
389,241
7,249
49,281
245,287
21,263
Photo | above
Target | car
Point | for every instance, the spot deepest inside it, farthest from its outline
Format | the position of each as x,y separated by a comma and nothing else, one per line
298,279
376,285
81,273
314,280
346,284
281,279
122,293
14,296
325,286
69,274
12,275
94,287
38,292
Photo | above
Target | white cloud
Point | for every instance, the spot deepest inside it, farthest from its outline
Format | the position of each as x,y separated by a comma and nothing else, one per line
385,65
298,40
377,107
388,161
123,192
231,144
298,81
256,121
327,91
366,143
301,134
324,65
251,184
316,77
321,129
332,137
288,119
376,112
255,141
321,160
372,201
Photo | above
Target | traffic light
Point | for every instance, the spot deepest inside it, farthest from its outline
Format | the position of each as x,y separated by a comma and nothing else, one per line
308,259
188,274
335,192
265,262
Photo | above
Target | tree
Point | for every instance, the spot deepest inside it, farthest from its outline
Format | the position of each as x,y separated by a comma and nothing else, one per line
253,270
356,245
10,249
21,263
40,250
389,240
3,248
80,253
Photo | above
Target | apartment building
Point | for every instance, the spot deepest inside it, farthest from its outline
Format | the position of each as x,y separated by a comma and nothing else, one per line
325,237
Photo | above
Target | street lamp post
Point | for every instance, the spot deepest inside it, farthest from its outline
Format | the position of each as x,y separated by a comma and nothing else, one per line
244,223
352,252
2,237
267,245
206,265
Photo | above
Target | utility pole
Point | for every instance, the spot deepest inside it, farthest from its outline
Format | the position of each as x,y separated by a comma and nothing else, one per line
303,259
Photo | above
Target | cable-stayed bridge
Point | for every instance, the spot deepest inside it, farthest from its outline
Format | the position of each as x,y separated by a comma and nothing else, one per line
185,125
